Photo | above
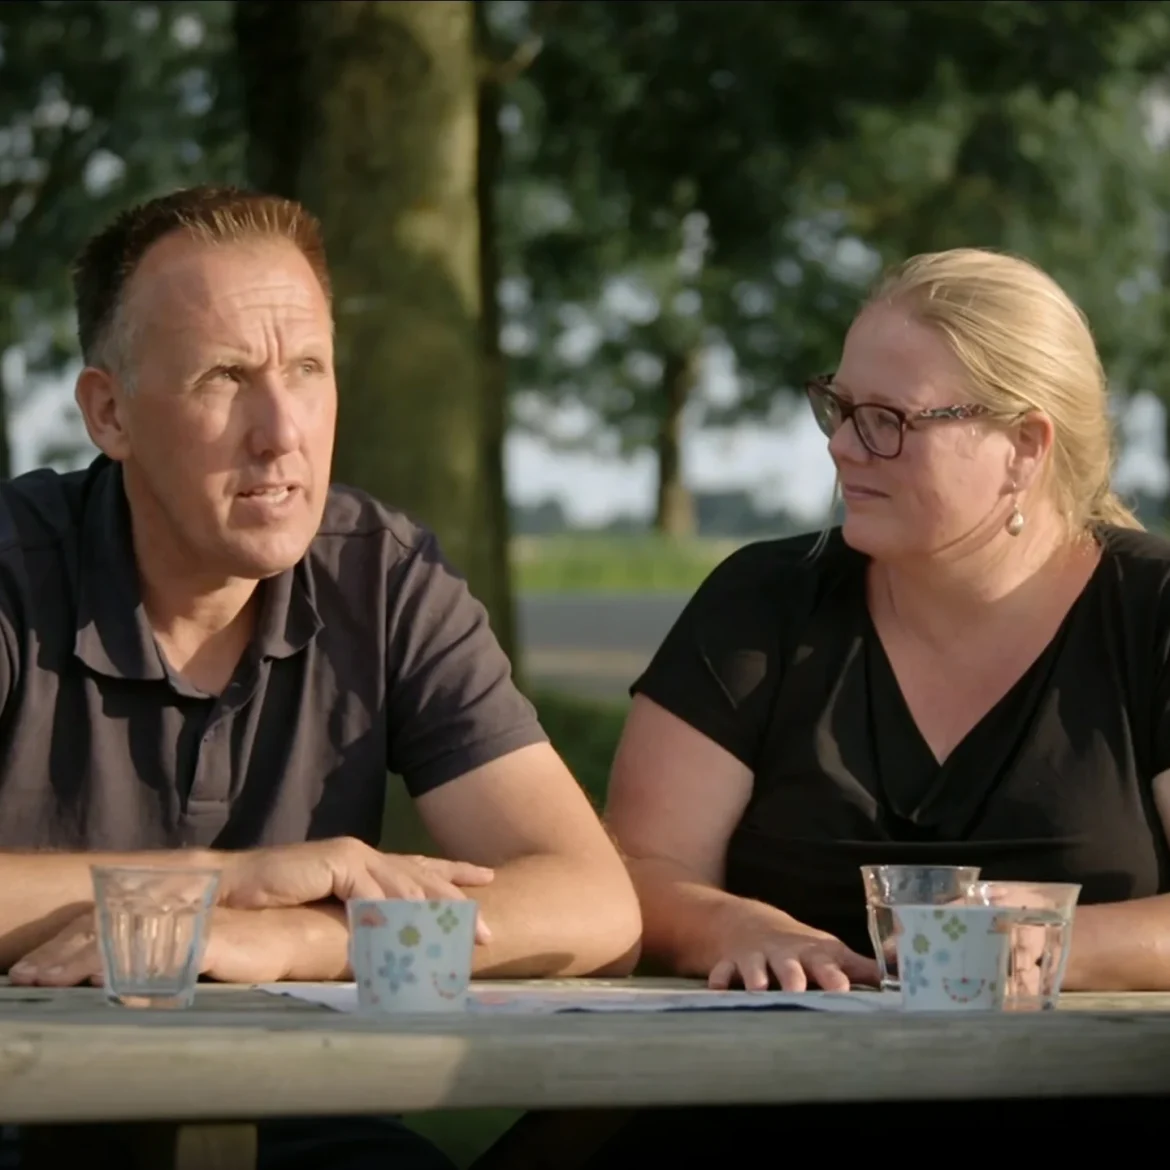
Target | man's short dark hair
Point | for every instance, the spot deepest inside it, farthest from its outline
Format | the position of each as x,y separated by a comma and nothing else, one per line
215,214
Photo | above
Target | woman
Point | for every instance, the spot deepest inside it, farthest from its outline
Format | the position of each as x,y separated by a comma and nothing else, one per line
972,670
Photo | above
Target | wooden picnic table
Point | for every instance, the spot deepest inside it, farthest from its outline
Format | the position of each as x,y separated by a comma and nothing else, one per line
196,1080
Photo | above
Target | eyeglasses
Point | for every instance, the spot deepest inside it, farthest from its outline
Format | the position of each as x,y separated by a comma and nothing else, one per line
881,429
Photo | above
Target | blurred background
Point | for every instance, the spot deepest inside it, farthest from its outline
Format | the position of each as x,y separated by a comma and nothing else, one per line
585,253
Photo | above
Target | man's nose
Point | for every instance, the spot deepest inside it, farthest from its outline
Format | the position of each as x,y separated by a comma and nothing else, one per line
275,428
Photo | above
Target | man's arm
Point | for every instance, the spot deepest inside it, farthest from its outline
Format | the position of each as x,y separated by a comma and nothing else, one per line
40,893
491,789
561,902
284,905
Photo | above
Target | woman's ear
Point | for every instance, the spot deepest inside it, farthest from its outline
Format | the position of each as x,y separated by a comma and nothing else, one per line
1032,441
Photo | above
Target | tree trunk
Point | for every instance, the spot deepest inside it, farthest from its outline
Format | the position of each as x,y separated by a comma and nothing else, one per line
493,369
386,106
675,512
270,47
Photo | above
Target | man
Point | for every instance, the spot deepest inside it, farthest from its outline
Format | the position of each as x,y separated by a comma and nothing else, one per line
208,653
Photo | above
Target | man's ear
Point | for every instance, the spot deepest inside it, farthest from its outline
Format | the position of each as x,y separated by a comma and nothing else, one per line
1032,441
101,400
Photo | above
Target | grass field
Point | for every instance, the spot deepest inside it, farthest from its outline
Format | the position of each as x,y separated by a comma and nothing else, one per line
589,563
585,734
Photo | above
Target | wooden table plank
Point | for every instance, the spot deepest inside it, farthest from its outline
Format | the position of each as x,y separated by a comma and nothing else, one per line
242,1055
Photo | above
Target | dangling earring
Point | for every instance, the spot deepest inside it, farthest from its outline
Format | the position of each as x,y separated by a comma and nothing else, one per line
1015,523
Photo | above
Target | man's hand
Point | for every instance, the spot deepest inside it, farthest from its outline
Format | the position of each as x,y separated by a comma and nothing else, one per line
342,868
243,946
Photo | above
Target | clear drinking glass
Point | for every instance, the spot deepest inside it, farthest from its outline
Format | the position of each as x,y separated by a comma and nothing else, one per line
907,885
1041,932
152,927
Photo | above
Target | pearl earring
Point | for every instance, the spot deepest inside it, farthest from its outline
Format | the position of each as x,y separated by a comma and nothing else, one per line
1015,523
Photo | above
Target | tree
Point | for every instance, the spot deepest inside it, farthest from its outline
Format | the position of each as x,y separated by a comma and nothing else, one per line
671,171
374,127
103,104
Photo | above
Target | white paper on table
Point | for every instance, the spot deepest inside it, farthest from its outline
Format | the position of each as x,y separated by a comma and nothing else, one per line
488,1000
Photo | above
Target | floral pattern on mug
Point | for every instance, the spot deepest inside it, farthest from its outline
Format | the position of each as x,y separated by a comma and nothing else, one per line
396,969
914,977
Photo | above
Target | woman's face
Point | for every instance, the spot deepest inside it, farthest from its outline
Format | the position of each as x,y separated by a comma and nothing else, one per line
951,484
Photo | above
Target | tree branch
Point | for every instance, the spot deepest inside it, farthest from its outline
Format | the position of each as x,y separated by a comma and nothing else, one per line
502,73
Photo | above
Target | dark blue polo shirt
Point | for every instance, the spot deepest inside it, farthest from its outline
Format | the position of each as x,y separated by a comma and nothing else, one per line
369,656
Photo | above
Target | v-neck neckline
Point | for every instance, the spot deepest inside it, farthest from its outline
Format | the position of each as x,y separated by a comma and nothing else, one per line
905,760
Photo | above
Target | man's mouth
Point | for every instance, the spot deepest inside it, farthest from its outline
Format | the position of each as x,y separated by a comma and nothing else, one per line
272,494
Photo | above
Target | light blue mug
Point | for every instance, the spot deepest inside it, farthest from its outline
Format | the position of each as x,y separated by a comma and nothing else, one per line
410,956
953,958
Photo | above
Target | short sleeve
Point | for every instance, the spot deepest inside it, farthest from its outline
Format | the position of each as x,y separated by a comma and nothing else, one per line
452,704
12,576
1161,687
720,666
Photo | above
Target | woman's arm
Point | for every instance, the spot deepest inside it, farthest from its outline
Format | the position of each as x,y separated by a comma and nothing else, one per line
1124,946
675,798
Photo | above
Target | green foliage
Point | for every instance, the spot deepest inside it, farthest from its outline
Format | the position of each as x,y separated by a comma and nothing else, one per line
687,174
1073,182
103,103
614,564
586,734
463,1134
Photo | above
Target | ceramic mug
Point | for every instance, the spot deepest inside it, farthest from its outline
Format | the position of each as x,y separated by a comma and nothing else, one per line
953,958
410,956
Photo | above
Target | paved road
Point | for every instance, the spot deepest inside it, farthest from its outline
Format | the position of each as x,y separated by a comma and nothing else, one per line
592,644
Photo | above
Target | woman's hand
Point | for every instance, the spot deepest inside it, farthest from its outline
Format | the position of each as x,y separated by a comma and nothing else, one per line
759,945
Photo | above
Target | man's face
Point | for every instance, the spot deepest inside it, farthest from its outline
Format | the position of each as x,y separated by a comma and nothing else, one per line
226,430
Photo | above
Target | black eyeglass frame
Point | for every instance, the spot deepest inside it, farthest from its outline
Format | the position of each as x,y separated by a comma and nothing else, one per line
822,386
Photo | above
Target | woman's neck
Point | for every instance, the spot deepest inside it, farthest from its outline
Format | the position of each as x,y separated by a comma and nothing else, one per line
1005,578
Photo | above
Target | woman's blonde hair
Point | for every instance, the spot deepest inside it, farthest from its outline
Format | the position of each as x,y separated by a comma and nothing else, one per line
1025,346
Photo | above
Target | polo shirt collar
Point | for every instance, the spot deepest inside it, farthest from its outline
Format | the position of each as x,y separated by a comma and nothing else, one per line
113,635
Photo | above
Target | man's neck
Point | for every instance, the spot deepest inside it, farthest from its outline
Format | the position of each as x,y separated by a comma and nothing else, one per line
176,610
993,580
202,635
202,621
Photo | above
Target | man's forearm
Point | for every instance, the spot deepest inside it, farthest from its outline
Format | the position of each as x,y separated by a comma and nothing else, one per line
304,944
41,892
1121,946
547,916
550,915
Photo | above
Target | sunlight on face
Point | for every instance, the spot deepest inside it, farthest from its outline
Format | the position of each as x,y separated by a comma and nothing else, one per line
950,479
229,430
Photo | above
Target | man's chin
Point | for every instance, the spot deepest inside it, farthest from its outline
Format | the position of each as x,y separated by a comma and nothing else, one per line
259,558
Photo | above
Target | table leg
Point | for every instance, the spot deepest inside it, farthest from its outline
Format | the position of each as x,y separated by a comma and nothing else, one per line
153,1146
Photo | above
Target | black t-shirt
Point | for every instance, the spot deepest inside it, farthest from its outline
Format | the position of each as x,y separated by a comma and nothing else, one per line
776,659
